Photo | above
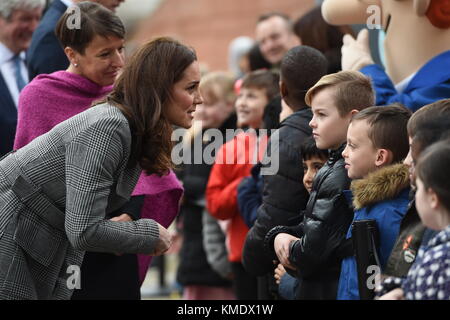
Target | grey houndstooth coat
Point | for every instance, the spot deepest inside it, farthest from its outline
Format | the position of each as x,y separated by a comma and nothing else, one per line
54,195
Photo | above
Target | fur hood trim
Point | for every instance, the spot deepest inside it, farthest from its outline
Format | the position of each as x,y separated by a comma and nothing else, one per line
380,185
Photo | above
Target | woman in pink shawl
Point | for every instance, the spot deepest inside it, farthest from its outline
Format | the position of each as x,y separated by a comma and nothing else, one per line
95,52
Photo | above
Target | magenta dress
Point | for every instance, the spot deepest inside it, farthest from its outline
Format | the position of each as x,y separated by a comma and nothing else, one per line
52,98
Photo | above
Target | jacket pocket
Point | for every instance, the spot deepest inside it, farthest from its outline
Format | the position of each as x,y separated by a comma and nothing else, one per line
37,240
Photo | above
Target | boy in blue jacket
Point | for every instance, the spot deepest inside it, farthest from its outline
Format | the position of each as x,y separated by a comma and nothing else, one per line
377,143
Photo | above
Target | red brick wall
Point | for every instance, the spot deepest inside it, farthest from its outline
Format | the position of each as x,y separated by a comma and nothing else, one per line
210,25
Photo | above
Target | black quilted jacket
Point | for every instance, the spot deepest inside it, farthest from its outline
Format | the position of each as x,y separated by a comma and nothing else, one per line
284,196
328,215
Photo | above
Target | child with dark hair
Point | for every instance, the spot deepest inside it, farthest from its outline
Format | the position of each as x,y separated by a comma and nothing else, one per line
251,188
284,196
312,249
427,125
428,278
377,143
313,160
258,88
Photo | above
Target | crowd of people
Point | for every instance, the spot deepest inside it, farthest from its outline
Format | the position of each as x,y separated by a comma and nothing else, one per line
330,175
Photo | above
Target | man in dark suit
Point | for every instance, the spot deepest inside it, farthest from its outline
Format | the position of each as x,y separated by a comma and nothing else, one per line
46,54
18,21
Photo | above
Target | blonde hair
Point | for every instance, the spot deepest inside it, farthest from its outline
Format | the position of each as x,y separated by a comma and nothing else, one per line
218,86
353,90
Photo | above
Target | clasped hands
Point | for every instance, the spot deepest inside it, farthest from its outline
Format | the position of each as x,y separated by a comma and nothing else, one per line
281,246
165,238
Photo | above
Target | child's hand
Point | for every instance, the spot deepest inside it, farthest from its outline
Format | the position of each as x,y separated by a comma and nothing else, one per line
279,273
396,294
281,246
124,217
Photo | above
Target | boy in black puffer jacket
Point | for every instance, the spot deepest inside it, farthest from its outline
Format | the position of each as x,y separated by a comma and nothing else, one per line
315,248
284,195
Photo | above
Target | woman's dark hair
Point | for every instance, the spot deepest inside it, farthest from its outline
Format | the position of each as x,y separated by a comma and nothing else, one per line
315,32
309,150
434,172
256,60
143,91
95,20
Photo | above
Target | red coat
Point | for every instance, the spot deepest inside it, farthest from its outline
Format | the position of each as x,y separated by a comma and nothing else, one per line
233,162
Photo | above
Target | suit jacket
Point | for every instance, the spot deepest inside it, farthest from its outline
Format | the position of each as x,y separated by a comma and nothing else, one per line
54,195
8,118
46,54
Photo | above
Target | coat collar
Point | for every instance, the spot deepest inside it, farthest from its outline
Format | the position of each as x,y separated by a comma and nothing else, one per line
383,184
297,120
7,55
336,154
440,238
432,73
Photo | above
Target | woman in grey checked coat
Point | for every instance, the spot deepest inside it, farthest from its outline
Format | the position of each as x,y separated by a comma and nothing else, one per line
56,191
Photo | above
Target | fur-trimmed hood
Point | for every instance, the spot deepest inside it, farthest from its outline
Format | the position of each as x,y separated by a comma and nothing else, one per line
381,185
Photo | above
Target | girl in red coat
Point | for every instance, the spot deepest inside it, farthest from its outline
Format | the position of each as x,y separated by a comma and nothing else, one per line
234,162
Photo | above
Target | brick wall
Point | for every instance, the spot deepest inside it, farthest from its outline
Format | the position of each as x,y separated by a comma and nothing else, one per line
210,25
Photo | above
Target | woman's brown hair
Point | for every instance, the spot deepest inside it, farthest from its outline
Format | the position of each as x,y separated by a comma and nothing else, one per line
142,92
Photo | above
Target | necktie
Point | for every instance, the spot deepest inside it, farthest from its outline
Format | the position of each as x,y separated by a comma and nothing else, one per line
18,73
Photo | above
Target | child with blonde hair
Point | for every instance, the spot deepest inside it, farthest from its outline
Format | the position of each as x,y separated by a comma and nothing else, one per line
200,279
314,249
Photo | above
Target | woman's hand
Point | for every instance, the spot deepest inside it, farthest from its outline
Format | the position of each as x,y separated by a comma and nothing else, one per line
396,294
164,241
279,273
165,238
124,217
281,246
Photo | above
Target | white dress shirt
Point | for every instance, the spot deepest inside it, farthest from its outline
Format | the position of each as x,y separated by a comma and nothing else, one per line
68,3
8,73
401,86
